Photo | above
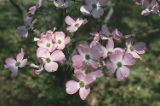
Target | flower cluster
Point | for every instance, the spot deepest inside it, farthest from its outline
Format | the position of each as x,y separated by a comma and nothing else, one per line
150,7
50,49
93,60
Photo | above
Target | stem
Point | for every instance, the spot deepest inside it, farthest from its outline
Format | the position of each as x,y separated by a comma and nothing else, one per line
17,7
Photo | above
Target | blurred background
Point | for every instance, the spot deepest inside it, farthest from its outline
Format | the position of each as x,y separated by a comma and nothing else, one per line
142,88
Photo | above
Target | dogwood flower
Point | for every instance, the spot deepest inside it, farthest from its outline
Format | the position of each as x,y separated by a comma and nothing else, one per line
150,7
105,33
93,7
119,62
60,3
60,40
14,64
37,69
46,42
74,25
28,24
136,49
49,59
82,85
88,56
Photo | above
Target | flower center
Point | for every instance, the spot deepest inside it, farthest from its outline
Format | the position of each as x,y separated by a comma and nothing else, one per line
48,44
150,8
87,56
109,52
76,25
131,48
59,41
48,60
60,5
18,63
94,6
82,84
110,36
87,71
119,64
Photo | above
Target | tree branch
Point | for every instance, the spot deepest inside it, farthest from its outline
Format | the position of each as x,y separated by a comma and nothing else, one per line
17,7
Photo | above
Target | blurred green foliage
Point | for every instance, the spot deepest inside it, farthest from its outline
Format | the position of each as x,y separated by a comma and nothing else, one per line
142,88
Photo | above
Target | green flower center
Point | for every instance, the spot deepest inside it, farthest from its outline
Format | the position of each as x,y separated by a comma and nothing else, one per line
48,44
82,84
109,52
131,48
76,25
94,6
18,63
119,64
48,60
60,5
150,8
59,41
87,56
110,36
87,71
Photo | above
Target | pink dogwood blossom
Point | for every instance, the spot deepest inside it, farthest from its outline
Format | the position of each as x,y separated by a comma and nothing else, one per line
49,60
14,64
60,40
37,69
74,25
82,85
105,33
136,49
60,3
119,61
88,56
46,42
93,7
28,24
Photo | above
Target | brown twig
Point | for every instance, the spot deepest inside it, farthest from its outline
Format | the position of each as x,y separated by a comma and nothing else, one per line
17,7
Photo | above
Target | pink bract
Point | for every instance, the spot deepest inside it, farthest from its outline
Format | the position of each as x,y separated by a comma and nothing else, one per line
74,25
14,64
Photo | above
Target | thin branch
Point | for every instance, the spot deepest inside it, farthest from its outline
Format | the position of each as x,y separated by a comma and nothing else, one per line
17,7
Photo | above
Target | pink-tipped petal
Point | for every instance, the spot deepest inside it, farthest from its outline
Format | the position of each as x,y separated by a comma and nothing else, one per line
58,55
72,29
67,40
140,47
85,10
83,92
77,61
23,63
122,73
20,55
72,87
10,61
111,68
42,52
128,59
69,20
110,44
51,67
97,13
